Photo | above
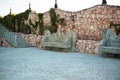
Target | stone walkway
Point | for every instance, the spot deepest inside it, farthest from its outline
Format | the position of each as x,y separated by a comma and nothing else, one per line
37,64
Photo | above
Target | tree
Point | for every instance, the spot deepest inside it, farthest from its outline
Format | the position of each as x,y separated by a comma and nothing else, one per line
56,6
104,2
1,19
40,15
53,19
9,22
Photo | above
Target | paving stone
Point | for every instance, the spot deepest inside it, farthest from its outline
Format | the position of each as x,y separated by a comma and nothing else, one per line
38,64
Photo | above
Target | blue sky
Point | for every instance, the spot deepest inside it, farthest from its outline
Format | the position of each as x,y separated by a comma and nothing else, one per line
41,6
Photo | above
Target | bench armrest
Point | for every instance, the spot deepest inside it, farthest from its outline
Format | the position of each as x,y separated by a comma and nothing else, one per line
103,42
44,39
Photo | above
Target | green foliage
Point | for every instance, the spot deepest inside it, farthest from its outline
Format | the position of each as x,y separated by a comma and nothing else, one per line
61,21
8,21
47,27
26,13
1,17
31,28
20,22
12,21
17,23
40,15
53,19
116,26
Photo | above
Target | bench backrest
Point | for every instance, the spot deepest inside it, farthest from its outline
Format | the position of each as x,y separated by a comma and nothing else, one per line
60,37
110,38
113,43
108,34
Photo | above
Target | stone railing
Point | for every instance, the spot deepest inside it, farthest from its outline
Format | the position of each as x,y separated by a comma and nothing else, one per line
14,39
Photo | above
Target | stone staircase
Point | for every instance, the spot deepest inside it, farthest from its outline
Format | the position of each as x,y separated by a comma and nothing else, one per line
14,39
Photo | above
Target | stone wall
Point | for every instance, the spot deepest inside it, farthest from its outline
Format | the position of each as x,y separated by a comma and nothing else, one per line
4,43
33,39
88,23
87,46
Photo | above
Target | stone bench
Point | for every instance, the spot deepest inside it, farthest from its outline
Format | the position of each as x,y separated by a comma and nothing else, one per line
59,40
110,42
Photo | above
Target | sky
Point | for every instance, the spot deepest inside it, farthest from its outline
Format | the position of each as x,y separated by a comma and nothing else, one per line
41,6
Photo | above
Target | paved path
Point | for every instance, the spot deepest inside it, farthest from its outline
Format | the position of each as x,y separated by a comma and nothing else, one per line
37,64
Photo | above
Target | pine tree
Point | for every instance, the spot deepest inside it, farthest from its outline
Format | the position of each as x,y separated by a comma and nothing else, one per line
104,2
56,6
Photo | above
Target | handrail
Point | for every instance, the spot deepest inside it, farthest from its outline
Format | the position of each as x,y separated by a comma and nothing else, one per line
13,38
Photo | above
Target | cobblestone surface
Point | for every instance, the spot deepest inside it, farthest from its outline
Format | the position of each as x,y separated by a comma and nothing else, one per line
37,64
